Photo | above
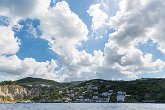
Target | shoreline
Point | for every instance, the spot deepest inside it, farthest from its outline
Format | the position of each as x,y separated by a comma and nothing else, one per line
74,103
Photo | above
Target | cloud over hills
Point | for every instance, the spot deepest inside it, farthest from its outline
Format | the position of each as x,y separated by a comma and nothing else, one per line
135,23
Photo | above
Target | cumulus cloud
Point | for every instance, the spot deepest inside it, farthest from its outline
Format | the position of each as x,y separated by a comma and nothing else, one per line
100,13
65,31
135,22
99,17
138,21
13,66
22,9
9,44
83,66
129,61
63,28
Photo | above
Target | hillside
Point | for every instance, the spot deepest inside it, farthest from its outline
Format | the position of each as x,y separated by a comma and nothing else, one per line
42,90
37,81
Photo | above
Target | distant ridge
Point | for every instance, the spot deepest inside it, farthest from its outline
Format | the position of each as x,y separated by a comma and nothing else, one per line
33,81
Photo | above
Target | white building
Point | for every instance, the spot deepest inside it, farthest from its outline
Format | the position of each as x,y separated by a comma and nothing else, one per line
95,97
81,97
121,96
71,95
60,92
110,91
106,94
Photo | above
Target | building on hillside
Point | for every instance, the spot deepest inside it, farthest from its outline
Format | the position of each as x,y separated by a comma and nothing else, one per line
105,94
110,91
121,96
60,92
80,97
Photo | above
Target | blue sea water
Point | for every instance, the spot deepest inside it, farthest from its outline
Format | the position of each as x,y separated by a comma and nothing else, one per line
82,106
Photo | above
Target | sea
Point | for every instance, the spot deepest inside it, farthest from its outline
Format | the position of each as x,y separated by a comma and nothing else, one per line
82,106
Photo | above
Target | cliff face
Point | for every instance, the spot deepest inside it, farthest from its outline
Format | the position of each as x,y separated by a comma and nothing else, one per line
13,92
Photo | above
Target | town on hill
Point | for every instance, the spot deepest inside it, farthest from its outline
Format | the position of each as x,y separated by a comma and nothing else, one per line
37,90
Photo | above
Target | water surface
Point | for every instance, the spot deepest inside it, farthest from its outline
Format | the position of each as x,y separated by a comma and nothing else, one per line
81,106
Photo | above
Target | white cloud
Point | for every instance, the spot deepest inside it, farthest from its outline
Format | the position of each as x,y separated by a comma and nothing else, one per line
99,17
61,22
65,31
100,12
16,68
12,67
8,43
135,22
22,9
130,60
82,67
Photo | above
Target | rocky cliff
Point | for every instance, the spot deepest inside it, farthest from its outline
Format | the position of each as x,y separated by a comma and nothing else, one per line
28,89
13,92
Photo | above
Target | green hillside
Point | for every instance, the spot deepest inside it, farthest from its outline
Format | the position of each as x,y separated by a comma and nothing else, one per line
138,90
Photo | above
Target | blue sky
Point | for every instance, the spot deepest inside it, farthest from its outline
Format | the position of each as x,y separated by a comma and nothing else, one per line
151,47
32,45
39,49
67,40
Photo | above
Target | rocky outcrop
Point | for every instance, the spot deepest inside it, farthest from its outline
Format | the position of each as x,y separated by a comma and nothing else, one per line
13,92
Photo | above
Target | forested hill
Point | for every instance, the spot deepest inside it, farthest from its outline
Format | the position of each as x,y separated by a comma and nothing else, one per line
42,90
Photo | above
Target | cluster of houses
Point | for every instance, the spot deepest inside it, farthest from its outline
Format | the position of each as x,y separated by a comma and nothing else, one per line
94,96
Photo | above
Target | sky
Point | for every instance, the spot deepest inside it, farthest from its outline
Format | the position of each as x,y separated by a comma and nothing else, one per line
72,40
